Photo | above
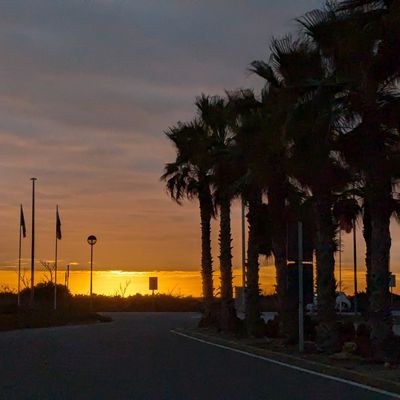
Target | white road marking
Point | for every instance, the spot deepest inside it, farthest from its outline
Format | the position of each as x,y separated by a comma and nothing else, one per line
308,371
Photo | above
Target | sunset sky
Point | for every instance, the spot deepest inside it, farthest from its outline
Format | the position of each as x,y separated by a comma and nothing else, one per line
86,90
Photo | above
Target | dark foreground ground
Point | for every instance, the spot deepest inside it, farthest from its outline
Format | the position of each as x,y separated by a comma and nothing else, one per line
137,357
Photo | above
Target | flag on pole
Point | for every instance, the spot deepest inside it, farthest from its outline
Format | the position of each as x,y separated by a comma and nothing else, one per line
22,222
58,226
58,237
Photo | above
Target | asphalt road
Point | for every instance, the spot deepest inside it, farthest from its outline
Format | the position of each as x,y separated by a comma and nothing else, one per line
137,357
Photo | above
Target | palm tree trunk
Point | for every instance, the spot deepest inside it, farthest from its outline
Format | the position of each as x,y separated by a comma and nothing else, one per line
228,315
287,300
327,334
252,273
380,197
206,258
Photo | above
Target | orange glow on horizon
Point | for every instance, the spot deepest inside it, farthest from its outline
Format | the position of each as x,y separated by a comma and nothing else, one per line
177,283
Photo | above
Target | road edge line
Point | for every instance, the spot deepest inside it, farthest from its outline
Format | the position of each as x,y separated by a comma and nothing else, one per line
295,367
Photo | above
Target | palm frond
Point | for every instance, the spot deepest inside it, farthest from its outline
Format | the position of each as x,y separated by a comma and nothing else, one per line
264,70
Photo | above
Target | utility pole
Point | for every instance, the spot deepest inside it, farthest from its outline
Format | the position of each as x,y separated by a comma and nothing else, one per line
355,267
243,254
340,260
340,266
301,288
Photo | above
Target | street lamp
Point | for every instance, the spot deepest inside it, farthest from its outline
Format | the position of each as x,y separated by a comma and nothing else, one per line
33,244
92,241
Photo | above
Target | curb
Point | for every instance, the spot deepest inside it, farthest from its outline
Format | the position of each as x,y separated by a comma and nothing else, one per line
391,388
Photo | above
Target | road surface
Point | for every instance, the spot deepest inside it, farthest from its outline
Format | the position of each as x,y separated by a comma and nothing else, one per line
137,357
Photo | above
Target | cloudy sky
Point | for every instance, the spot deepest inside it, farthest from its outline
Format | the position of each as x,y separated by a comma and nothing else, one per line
87,88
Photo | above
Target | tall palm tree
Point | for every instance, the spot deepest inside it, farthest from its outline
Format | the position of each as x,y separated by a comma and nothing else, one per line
298,80
248,127
214,115
189,176
310,128
364,56
376,102
274,109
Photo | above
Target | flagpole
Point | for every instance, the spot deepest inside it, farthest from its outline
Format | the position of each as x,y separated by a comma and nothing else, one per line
55,262
33,244
19,259
66,284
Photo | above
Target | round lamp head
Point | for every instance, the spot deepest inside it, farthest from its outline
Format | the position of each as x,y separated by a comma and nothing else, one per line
92,240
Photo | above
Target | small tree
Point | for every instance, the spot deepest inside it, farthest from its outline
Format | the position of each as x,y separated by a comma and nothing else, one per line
24,279
49,270
123,288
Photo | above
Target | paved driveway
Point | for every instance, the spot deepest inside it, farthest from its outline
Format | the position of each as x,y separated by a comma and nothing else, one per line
137,357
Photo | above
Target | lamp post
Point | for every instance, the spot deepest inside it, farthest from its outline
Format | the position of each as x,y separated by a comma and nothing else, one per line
33,244
92,241
243,255
301,285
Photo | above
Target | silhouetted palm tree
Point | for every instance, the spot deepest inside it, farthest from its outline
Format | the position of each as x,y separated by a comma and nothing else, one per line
189,176
327,120
297,74
364,57
214,115
248,125
276,103
310,128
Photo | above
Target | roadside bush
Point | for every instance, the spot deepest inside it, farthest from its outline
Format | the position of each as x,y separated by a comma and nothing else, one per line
138,302
44,296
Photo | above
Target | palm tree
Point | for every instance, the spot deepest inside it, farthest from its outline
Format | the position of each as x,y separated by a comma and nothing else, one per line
274,108
364,57
248,126
189,176
323,176
299,91
310,129
214,115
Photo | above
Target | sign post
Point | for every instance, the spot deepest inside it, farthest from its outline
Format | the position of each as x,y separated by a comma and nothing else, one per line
153,283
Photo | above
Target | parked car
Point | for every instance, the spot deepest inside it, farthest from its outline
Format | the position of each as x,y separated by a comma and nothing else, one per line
343,303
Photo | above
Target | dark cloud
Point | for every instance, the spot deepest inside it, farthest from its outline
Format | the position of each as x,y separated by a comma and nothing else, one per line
118,65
